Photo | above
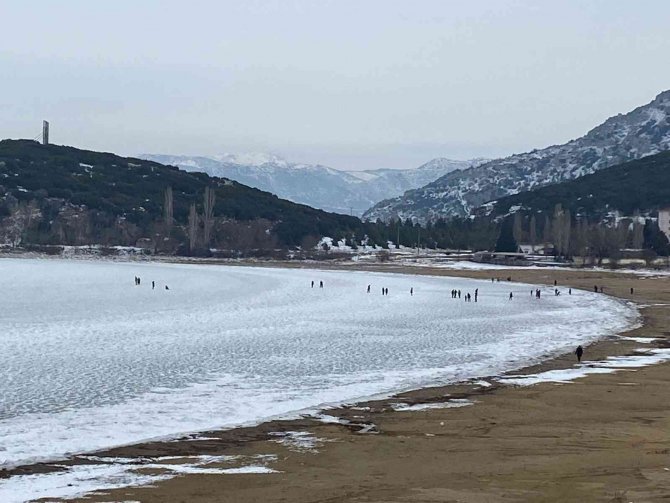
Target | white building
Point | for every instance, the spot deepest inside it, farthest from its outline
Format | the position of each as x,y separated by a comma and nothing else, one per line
664,221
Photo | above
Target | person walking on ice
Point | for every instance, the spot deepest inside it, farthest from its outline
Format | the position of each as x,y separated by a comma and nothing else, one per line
153,285
368,288
312,283
511,296
411,292
320,284
579,352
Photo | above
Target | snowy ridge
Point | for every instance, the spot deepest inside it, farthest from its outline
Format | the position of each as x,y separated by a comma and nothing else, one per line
313,184
639,133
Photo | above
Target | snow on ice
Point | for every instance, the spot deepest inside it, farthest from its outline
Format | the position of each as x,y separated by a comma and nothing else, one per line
92,361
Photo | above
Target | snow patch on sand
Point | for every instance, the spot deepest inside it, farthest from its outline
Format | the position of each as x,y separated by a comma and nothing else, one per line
454,403
608,366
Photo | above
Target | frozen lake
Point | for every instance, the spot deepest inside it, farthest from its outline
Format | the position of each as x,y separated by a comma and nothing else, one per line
89,360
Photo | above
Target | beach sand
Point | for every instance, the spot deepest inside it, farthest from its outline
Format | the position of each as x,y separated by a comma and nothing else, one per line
601,438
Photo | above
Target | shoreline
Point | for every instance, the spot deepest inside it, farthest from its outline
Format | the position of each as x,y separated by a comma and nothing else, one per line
360,415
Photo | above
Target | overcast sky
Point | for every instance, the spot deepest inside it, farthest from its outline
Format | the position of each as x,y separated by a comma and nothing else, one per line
352,84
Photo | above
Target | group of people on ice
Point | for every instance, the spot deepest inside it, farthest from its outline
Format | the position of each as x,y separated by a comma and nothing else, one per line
138,282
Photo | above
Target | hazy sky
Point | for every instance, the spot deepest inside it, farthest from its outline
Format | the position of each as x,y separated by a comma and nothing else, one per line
351,84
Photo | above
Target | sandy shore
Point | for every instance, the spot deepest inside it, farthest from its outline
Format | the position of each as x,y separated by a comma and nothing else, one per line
602,438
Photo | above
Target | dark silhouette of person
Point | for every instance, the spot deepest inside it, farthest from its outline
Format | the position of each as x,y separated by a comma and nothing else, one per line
387,291
511,296
139,280
579,352
320,284
411,291
555,283
595,288
632,291
569,291
368,288
602,289
459,294
312,283
476,293
153,285
166,287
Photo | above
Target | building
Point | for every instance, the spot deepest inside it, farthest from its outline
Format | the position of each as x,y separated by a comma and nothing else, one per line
664,220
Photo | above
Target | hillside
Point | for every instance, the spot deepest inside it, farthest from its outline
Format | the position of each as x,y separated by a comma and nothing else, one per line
316,185
639,133
641,185
64,195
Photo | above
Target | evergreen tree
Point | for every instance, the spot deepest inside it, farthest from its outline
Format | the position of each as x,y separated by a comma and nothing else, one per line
506,241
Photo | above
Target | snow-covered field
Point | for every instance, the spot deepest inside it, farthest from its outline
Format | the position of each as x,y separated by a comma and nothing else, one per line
89,360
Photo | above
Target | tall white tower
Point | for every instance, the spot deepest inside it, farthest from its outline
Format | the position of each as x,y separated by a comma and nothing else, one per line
45,132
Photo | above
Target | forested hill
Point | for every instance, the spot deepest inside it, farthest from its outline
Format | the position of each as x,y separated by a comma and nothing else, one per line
63,195
641,185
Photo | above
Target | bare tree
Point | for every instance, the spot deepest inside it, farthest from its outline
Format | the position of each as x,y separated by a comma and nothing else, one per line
517,228
546,233
208,217
532,232
637,240
567,232
192,228
168,207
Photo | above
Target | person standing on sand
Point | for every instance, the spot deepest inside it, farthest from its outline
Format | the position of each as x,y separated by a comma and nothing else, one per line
579,352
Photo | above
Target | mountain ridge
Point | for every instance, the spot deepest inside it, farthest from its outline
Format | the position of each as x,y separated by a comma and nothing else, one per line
316,185
624,137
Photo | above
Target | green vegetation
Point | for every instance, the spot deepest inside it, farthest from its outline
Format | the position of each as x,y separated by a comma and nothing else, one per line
642,185
66,196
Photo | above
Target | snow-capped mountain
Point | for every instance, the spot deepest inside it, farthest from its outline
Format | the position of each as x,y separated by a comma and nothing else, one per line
641,132
315,185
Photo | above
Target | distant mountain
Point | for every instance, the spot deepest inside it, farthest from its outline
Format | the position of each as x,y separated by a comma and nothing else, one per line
59,195
642,185
644,131
315,185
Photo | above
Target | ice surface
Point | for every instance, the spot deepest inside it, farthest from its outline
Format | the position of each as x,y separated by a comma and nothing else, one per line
91,361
